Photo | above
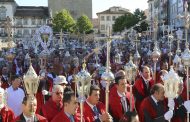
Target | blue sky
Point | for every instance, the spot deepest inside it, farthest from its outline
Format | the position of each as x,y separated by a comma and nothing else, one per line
98,5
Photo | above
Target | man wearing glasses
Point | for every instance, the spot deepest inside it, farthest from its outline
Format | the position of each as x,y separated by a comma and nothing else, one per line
54,105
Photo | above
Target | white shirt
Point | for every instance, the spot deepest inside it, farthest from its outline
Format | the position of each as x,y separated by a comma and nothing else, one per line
123,99
28,119
14,100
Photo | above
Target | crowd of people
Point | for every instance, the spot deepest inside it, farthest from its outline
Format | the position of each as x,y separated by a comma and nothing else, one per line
57,100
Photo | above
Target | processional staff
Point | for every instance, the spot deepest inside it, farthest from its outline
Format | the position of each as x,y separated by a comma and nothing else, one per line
108,75
186,54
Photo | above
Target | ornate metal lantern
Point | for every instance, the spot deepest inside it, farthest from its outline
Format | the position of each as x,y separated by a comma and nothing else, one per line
118,58
186,56
83,80
171,83
155,57
31,81
155,53
43,56
130,70
177,61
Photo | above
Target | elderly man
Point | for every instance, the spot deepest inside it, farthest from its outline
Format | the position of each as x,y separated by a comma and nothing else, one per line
153,108
69,113
6,114
54,105
94,110
141,87
29,106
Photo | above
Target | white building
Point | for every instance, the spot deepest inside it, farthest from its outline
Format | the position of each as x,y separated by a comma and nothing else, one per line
24,19
107,18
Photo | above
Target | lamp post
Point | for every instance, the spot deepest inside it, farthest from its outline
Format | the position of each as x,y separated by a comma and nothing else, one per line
186,54
108,75
130,70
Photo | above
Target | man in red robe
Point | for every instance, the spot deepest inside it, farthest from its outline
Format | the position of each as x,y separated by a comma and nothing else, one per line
29,106
69,112
119,97
54,105
141,87
5,78
153,108
6,114
94,110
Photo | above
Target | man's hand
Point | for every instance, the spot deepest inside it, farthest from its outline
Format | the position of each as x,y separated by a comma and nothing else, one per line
106,117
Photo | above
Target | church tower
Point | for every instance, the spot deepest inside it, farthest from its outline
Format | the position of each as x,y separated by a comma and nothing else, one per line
75,7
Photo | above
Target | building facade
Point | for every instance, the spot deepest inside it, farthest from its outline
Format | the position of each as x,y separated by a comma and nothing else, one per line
107,18
75,7
24,20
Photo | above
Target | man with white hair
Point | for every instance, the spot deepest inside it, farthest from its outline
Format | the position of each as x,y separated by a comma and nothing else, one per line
54,105
6,114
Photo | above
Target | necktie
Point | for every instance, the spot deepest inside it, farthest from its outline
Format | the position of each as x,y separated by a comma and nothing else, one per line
96,113
123,104
71,118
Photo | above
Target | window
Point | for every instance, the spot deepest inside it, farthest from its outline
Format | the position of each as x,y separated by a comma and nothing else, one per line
33,21
102,27
25,22
3,11
108,18
19,22
113,18
33,32
26,32
39,22
102,18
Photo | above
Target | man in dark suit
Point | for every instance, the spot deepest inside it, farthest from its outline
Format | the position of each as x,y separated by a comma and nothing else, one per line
29,106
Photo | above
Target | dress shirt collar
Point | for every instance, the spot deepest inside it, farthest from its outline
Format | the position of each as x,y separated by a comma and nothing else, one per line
28,118
91,106
154,99
121,95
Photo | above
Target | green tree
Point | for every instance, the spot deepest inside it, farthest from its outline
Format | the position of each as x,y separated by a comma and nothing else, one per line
84,25
125,21
63,20
128,20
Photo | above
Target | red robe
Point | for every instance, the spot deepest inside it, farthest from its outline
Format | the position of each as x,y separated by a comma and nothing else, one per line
115,104
7,115
150,112
140,92
89,115
37,118
4,83
62,117
50,109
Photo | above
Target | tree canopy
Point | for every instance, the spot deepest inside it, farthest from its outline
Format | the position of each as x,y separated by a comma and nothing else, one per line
130,19
63,20
84,25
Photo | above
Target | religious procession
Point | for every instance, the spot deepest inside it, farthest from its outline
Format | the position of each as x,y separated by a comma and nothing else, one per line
140,79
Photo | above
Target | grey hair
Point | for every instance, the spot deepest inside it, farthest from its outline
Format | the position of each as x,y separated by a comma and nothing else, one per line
57,87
